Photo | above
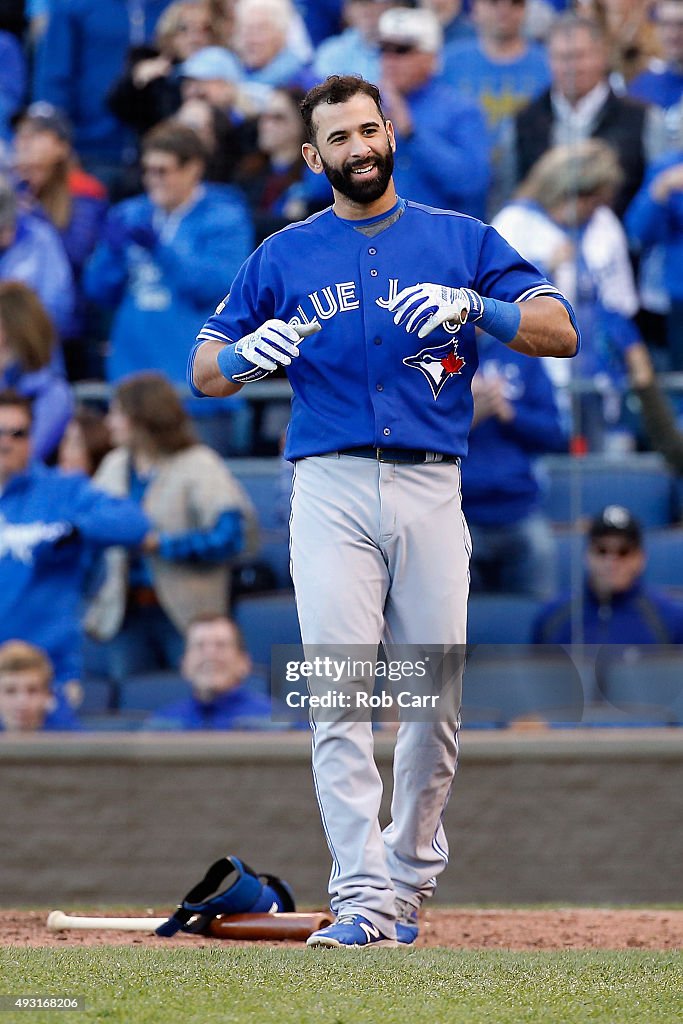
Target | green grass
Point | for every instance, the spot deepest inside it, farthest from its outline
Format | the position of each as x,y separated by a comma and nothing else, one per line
121,985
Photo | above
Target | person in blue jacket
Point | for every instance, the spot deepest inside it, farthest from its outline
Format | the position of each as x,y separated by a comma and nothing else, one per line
27,701
516,419
166,254
216,666
78,58
617,607
425,112
48,519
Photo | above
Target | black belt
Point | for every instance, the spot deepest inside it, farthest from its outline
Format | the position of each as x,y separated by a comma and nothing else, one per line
409,456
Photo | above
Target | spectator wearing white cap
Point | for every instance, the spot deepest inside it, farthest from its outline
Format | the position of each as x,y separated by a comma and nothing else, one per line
430,116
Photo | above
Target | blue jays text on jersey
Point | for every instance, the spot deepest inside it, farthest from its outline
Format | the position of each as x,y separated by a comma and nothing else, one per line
362,380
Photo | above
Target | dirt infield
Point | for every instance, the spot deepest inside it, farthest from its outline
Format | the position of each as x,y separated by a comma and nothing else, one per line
456,929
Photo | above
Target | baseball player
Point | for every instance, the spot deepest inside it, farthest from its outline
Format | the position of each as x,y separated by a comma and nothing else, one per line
381,410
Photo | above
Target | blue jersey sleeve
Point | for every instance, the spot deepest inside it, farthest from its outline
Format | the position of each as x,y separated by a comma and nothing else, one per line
503,274
249,303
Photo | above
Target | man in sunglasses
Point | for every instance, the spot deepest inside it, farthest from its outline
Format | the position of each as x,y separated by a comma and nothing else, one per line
430,116
49,522
618,607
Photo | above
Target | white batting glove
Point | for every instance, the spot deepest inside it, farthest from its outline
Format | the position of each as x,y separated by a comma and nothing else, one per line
256,355
429,305
273,344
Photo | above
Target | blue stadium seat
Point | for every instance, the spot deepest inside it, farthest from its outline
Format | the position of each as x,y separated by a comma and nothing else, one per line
580,488
147,691
262,480
99,696
664,549
500,618
649,688
521,685
570,546
111,722
266,620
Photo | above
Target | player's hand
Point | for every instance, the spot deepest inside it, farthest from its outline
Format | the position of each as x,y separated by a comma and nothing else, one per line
256,355
426,306
273,344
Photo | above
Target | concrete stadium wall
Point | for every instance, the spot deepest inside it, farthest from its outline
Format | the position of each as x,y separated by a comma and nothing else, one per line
576,818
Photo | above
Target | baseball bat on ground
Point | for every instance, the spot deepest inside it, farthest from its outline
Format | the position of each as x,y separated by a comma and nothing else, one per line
58,921
292,926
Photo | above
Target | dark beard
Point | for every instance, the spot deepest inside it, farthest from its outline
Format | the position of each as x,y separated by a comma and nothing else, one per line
358,190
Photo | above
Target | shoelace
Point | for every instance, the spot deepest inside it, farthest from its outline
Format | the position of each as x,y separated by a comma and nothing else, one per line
346,919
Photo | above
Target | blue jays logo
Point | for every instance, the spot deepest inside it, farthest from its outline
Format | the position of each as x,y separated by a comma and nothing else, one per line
438,364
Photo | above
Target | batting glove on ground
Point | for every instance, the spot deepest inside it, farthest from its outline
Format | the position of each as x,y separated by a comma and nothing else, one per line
426,306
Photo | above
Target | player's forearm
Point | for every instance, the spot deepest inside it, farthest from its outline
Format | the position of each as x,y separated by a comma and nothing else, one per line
545,329
206,375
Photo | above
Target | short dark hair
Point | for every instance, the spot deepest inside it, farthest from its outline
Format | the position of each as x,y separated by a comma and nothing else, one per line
337,89
179,140
9,397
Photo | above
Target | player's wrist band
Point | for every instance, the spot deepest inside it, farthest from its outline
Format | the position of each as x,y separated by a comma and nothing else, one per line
232,364
500,319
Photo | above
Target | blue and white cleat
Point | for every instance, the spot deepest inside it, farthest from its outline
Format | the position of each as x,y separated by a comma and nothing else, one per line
407,926
350,931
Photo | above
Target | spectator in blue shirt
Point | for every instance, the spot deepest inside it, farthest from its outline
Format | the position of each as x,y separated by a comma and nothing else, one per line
216,666
501,71
49,521
27,701
165,255
617,607
428,115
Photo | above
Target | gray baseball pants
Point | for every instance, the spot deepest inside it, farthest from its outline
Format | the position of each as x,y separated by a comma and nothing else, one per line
381,551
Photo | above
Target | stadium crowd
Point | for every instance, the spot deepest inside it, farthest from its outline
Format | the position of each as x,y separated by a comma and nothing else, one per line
146,148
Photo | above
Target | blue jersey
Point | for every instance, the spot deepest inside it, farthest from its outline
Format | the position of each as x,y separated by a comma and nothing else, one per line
362,380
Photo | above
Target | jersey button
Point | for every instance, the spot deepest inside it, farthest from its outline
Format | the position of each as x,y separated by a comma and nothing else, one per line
372,252
373,273
378,341
386,431
380,387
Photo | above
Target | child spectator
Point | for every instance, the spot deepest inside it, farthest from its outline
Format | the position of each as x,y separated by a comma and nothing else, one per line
27,702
